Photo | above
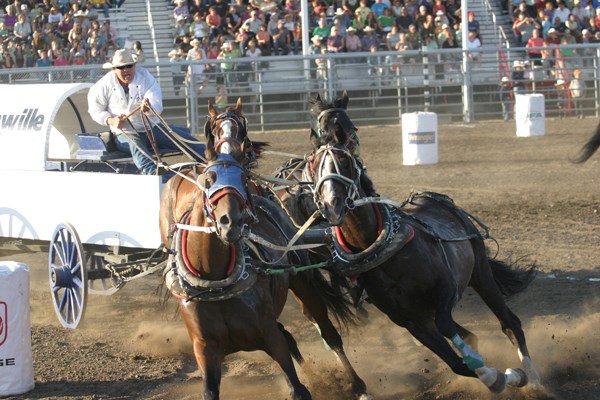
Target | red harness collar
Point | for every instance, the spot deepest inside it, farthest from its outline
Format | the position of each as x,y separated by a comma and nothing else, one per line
340,236
186,260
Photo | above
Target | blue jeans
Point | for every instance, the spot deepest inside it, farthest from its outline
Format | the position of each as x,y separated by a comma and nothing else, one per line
148,166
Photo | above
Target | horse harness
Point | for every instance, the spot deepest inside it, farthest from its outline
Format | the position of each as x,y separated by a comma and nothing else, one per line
395,231
352,184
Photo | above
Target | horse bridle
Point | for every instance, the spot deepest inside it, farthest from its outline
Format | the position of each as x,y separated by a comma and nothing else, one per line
348,127
351,184
225,183
237,121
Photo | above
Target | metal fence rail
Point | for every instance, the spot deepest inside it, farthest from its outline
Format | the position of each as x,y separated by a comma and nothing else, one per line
382,85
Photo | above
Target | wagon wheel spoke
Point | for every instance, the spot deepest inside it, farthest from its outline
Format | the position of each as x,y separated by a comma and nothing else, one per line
68,275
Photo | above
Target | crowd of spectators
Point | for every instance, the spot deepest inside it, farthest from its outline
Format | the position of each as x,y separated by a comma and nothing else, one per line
218,30
542,26
57,33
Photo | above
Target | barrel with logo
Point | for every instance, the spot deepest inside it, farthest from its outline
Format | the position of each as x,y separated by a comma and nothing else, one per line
16,365
419,138
530,113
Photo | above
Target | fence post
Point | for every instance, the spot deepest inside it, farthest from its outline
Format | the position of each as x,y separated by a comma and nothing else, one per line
330,78
466,89
426,89
596,77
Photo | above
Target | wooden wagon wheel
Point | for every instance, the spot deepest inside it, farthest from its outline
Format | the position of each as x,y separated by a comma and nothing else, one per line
68,275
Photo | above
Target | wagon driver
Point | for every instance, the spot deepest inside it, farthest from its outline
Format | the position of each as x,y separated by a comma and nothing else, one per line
121,91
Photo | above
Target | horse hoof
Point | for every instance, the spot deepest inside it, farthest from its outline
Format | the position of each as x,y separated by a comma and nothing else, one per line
516,377
365,396
500,383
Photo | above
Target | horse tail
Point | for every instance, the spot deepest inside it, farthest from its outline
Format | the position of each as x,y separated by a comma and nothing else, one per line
335,299
589,148
292,344
511,277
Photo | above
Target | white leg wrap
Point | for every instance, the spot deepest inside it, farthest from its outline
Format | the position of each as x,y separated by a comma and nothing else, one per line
515,377
472,359
532,374
487,375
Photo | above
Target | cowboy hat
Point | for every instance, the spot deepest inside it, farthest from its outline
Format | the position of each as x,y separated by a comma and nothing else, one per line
194,41
121,58
226,45
315,38
505,79
351,29
368,29
339,11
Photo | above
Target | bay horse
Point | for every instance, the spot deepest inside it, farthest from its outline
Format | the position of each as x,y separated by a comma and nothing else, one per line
442,251
228,130
228,301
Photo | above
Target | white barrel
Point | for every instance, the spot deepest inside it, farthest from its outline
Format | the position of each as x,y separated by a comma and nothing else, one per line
16,364
419,138
530,113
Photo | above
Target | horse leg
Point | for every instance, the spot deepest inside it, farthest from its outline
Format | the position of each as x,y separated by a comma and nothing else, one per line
492,378
277,347
483,283
209,363
470,365
315,310
469,337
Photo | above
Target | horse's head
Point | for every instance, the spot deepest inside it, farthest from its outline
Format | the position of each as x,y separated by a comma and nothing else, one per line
228,131
333,122
226,198
336,175
335,167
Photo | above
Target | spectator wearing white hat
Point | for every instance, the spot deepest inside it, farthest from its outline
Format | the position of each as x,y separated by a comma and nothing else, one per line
181,10
181,29
518,76
369,39
562,94
504,93
225,55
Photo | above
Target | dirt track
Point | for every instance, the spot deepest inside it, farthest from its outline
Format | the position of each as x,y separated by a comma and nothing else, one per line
536,203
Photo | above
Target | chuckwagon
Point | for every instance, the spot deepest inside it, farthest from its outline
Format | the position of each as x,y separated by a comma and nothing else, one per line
67,193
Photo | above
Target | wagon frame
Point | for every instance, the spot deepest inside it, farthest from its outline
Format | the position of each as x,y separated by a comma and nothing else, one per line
98,221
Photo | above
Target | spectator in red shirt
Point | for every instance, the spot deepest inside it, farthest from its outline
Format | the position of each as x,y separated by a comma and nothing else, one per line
535,55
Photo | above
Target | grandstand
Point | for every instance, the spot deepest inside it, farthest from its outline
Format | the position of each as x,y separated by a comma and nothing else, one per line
152,23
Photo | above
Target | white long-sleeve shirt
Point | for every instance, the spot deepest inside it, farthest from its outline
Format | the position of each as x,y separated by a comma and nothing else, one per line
107,99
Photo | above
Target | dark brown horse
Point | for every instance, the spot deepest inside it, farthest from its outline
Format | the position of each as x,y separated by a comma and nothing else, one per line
228,130
418,285
228,299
